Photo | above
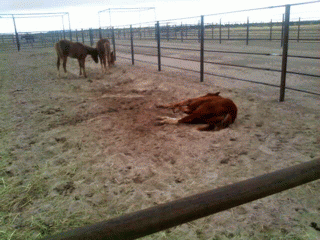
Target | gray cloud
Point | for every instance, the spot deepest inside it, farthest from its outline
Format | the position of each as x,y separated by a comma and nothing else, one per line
19,5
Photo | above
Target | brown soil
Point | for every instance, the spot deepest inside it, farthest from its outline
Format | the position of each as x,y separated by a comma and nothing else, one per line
77,151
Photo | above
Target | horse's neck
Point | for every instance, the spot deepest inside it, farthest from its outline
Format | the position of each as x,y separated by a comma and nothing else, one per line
90,50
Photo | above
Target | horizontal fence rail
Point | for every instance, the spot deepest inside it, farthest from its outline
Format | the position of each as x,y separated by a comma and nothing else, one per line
201,34
160,35
300,31
164,216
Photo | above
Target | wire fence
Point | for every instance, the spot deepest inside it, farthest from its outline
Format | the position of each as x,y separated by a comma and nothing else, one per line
202,35
194,44
300,31
221,32
207,46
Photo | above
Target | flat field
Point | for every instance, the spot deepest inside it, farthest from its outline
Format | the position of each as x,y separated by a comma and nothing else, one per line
78,151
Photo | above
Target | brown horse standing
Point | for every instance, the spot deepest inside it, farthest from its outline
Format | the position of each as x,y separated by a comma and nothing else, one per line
216,111
77,50
103,47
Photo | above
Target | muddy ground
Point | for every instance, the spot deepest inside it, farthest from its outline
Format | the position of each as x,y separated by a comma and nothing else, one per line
77,151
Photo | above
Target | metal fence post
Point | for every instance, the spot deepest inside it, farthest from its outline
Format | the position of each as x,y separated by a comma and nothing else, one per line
175,32
282,26
70,31
271,30
16,33
91,36
298,37
77,35
212,31
186,32
132,50
181,32
114,44
220,30
82,35
285,52
158,44
247,39
198,30
100,33
202,49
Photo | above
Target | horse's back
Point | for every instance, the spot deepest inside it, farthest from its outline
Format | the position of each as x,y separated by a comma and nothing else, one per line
103,45
220,106
63,47
70,49
102,42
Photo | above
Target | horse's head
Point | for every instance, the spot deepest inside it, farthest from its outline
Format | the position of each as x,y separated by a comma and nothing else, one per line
94,56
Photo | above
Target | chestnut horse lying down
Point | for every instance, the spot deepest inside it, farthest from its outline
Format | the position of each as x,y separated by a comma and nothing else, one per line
216,111
77,50
103,47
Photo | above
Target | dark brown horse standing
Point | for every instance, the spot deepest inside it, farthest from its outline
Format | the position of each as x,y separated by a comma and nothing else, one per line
77,50
103,47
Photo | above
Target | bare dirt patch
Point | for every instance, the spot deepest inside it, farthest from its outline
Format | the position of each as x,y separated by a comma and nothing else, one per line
78,151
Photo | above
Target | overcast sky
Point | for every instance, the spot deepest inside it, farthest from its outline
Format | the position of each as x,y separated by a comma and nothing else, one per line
84,13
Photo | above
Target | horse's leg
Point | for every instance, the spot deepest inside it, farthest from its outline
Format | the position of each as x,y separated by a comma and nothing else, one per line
58,65
101,61
64,63
193,118
107,55
105,62
227,121
82,65
168,120
215,123
174,105
109,59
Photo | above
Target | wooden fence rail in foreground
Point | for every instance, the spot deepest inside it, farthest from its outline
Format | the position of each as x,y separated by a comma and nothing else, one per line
161,217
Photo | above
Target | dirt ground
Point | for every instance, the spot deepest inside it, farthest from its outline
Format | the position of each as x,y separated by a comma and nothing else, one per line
77,151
